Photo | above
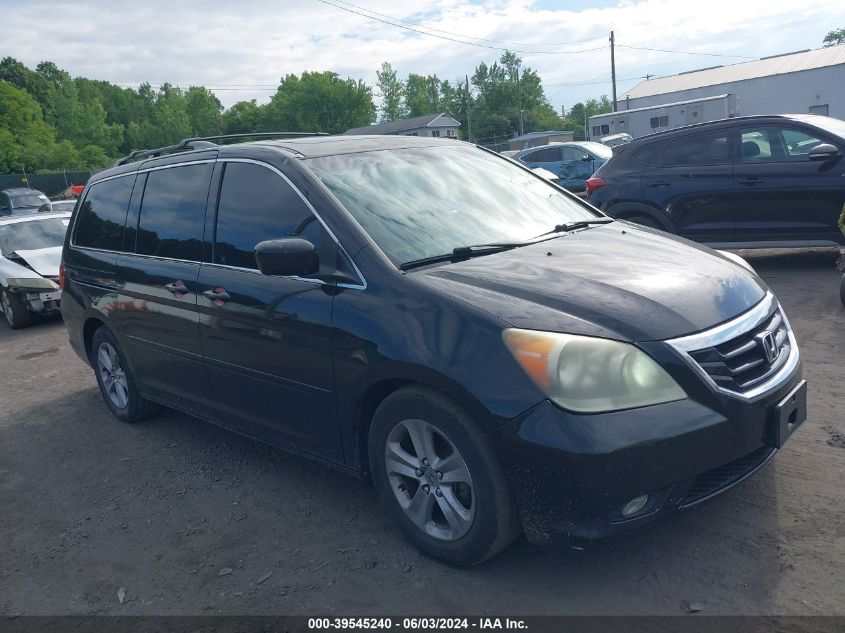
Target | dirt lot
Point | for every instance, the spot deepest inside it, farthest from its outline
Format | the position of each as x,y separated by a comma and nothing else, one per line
190,519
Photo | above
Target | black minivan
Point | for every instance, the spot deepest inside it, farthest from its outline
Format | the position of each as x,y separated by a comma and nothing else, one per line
497,355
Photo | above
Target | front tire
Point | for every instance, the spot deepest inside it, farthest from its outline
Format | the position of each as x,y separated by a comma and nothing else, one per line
14,309
117,385
439,478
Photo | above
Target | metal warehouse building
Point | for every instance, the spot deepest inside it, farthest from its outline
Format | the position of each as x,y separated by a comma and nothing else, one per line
807,81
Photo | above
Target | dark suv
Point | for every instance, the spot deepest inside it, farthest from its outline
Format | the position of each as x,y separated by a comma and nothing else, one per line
748,182
499,357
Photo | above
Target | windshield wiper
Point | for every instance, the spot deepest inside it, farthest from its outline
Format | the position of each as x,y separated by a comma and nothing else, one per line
579,224
464,252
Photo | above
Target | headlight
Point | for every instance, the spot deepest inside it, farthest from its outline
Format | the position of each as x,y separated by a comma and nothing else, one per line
36,283
590,375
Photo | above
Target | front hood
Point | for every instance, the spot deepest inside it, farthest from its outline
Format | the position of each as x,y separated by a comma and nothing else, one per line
616,281
44,261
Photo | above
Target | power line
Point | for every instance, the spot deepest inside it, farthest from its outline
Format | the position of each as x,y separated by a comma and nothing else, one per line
452,39
466,37
663,50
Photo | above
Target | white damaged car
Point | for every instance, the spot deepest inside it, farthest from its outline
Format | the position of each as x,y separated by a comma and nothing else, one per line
30,255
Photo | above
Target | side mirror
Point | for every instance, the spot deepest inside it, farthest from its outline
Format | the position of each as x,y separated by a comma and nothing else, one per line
825,151
286,257
586,159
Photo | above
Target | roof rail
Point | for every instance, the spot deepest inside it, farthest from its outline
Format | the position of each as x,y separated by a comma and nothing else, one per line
199,142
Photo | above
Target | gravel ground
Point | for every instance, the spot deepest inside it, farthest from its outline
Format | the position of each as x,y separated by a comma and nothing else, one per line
190,519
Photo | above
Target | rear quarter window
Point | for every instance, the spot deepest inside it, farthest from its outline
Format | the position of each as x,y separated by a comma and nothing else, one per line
648,154
103,214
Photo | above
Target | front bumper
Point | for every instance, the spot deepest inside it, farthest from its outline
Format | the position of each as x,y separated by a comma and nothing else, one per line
573,473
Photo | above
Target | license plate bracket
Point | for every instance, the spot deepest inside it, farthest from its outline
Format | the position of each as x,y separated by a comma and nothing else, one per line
788,414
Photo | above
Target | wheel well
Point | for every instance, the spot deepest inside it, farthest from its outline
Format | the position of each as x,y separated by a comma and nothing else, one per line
373,397
91,326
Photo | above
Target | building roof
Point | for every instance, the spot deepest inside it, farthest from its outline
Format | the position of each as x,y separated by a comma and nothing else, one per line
394,127
530,135
764,67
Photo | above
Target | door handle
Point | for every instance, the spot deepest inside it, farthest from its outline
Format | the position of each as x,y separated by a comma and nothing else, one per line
750,181
219,296
178,288
659,184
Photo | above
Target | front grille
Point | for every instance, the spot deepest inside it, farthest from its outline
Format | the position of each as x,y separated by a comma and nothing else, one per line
741,363
718,479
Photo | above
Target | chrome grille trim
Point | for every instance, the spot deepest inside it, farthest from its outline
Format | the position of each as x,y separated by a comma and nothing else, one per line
765,310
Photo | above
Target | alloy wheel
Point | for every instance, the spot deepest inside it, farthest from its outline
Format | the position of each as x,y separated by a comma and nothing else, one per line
430,480
113,376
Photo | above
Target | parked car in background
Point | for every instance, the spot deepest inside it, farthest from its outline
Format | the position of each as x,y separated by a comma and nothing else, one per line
64,206
758,181
573,162
19,201
30,253
615,140
494,353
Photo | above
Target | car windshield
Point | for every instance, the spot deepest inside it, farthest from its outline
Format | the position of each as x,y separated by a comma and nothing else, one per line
600,150
27,200
32,235
423,202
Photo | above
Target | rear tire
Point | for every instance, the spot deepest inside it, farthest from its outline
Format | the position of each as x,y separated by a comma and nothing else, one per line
439,478
14,309
645,220
117,385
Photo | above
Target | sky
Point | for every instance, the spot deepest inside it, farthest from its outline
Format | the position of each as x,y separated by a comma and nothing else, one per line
241,49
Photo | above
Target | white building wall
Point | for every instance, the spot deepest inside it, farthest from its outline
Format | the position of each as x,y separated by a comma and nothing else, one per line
792,93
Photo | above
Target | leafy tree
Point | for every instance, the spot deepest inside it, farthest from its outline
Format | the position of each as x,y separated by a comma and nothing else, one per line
320,102
837,36
205,112
422,94
575,119
392,92
244,116
25,138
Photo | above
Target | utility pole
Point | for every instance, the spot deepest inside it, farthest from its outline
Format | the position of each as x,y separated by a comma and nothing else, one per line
519,101
613,69
469,128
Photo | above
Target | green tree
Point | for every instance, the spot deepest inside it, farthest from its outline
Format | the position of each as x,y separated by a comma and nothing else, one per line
392,93
320,102
205,112
244,116
837,36
422,94
574,120
25,138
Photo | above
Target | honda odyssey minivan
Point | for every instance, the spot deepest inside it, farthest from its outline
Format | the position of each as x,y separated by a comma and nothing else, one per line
499,357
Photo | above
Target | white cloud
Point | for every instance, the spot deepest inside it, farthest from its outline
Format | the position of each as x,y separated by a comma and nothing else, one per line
255,42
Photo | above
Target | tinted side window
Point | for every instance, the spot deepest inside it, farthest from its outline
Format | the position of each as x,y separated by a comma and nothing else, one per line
701,149
573,154
256,205
173,212
775,144
549,155
648,154
103,214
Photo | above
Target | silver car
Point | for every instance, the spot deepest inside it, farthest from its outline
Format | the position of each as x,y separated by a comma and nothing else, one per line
30,255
